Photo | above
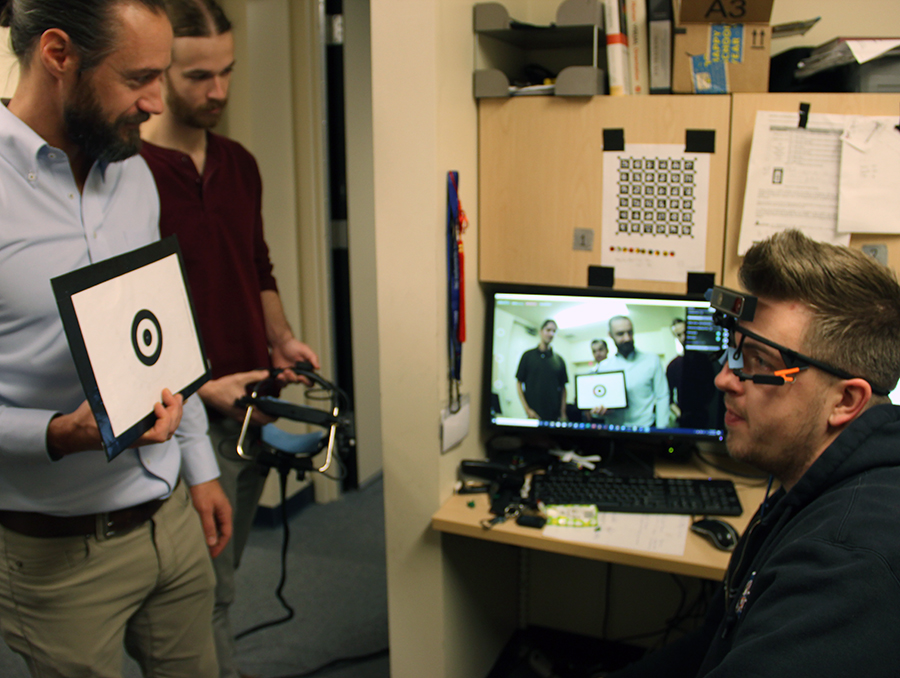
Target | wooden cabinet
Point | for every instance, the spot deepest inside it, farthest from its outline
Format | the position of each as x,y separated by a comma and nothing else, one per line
541,178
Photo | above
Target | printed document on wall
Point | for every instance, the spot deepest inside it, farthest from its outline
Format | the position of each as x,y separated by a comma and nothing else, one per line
792,178
655,211
869,201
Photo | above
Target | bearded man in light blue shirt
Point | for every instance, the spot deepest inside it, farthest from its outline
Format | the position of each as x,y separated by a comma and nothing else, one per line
96,554
645,381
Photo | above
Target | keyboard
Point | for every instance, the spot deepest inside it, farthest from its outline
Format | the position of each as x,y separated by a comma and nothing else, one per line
691,496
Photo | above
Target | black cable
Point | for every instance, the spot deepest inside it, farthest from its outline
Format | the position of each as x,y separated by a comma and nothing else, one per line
283,473
282,476
337,395
676,619
359,659
696,610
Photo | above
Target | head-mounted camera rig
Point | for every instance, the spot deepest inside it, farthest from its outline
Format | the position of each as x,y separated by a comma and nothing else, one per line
731,308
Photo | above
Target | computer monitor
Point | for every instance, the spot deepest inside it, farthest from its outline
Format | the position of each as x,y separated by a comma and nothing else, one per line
663,371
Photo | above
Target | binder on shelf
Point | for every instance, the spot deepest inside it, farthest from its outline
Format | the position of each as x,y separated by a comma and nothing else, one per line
616,47
660,20
638,54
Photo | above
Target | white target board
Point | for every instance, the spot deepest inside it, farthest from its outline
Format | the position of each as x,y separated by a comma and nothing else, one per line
132,330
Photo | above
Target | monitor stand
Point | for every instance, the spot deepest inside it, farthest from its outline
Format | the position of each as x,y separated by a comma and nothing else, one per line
621,457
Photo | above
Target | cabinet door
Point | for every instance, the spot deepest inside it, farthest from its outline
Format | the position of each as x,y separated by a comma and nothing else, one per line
541,178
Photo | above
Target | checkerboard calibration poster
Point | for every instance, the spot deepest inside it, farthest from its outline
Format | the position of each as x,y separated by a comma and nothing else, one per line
655,211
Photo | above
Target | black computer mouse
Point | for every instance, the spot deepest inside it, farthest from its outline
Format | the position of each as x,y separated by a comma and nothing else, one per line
719,533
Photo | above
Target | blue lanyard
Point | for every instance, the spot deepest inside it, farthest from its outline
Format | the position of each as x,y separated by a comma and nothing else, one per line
456,224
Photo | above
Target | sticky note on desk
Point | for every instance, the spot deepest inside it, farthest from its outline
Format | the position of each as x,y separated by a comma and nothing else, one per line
652,532
572,515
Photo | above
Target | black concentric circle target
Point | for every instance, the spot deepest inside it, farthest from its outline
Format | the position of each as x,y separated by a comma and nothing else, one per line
146,337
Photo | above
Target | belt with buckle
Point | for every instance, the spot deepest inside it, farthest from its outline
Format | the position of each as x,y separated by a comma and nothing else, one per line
101,524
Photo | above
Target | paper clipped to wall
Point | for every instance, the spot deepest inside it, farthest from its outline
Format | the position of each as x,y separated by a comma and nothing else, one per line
868,199
834,176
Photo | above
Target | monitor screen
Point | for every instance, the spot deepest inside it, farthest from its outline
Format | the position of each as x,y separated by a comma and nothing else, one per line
591,362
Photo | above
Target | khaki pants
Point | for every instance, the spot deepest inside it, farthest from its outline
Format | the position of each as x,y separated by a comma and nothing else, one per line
68,605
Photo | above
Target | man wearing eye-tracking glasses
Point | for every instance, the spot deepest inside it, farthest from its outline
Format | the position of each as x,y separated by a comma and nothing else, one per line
813,587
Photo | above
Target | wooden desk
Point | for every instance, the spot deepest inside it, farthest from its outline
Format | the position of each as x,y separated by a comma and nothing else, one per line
700,558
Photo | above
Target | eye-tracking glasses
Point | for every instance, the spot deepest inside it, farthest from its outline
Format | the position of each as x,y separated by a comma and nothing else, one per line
762,361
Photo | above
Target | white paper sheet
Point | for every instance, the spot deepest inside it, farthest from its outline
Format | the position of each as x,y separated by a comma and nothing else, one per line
792,178
869,201
652,532
655,211
866,50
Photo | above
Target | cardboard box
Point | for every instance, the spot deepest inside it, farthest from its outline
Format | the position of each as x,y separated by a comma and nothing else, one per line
721,46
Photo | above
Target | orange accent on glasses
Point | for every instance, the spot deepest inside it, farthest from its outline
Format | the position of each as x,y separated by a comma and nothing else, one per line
785,373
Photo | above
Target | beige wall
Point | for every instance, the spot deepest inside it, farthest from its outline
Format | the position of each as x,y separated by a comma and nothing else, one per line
8,67
424,124
361,235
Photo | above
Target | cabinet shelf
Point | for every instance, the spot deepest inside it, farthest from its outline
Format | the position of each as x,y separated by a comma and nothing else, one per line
510,53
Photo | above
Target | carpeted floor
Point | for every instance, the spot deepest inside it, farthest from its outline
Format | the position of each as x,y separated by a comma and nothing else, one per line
335,582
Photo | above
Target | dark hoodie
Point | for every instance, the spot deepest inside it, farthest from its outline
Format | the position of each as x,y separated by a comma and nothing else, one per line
813,587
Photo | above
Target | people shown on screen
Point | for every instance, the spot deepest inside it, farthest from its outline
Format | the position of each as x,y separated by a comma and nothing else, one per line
676,368
600,350
541,379
811,588
692,390
645,381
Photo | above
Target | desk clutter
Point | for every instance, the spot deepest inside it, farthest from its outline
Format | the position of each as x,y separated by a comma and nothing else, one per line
516,489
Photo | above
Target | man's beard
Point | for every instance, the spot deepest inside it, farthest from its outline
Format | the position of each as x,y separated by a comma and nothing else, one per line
201,117
626,348
99,139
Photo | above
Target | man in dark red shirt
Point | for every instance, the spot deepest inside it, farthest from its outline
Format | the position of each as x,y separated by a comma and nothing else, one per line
211,196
